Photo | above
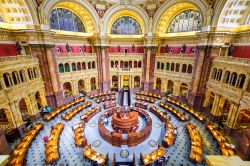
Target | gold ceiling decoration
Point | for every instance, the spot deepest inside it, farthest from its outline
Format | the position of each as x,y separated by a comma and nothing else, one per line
169,14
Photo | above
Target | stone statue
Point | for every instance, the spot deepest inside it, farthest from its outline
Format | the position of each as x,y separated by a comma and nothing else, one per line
84,48
166,48
133,48
18,47
67,48
118,48
183,48
230,50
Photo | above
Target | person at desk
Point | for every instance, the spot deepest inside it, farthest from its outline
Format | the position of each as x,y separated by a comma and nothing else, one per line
175,132
105,121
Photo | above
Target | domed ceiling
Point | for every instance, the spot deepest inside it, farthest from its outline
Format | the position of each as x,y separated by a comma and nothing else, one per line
128,1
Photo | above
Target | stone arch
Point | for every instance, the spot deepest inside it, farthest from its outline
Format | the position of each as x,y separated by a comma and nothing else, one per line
89,16
158,84
118,11
137,81
115,81
40,100
25,108
170,87
81,86
93,83
184,89
201,6
6,118
67,89
209,99
224,107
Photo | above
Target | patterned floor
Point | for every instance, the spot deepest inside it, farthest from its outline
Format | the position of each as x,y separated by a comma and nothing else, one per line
73,156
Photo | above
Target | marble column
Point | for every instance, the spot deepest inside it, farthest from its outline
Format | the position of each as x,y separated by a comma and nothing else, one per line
49,71
200,76
103,68
148,66
54,76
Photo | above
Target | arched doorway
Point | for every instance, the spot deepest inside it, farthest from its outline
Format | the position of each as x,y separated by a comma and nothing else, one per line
137,81
184,89
6,119
170,87
210,99
93,83
24,109
224,108
38,100
67,89
158,84
115,82
81,87
126,81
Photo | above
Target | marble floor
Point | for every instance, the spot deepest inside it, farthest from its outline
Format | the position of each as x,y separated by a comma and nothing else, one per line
73,156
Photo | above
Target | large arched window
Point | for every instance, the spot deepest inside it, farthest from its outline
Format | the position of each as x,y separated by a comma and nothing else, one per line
63,19
126,26
188,20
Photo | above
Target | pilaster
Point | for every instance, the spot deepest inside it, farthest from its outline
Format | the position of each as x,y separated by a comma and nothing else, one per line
103,68
47,62
149,65
215,108
233,115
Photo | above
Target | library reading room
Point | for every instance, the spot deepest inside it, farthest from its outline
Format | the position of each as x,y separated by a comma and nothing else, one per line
124,82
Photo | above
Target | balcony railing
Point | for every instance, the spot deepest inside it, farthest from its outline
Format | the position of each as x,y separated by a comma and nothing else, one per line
229,59
175,55
125,54
75,54
18,57
125,69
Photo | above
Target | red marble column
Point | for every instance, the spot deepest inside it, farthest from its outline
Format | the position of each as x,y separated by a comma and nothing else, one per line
200,76
50,74
148,68
4,147
103,68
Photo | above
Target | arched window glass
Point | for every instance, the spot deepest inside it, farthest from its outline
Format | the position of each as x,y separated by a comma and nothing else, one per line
63,19
93,64
188,20
177,69
168,66
61,68
126,26
73,66
67,68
